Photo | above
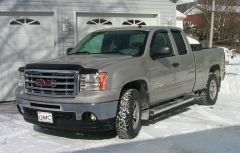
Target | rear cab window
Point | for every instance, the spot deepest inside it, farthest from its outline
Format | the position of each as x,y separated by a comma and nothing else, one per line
180,43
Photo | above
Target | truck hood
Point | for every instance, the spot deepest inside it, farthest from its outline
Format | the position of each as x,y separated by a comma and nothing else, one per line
88,61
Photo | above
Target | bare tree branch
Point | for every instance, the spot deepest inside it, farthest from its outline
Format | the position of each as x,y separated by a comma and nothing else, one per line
225,13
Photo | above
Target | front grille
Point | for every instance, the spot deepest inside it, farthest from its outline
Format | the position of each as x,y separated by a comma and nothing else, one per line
51,83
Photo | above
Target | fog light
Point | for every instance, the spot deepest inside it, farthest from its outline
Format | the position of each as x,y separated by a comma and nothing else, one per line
93,117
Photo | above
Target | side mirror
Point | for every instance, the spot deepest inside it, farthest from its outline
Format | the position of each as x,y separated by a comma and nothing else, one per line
164,50
69,50
160,52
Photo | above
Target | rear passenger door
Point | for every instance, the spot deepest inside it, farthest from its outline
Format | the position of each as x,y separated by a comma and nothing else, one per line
185,74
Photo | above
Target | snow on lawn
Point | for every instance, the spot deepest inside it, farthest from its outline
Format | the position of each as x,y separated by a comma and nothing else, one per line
234,65
196,129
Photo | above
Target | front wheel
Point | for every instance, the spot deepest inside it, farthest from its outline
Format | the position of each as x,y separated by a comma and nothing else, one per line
128,121
210,93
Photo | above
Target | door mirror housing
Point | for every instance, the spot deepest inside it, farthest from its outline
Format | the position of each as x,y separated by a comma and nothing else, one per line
160,52
69,50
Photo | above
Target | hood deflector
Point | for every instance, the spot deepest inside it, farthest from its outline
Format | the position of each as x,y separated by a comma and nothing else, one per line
42,66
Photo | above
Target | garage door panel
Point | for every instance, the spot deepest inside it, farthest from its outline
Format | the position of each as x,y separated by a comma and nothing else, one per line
25,42
11,59
9,81
36,56
23,39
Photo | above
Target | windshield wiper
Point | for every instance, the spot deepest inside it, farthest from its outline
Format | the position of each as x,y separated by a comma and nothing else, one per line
87,52
115,53
83,52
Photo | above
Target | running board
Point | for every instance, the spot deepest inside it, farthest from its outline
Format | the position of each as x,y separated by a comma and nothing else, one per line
170,105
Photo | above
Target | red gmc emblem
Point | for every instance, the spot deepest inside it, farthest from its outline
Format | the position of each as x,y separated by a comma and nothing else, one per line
44,83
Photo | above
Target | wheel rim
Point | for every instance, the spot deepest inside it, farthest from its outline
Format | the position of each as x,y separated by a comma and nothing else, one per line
136,114
213,89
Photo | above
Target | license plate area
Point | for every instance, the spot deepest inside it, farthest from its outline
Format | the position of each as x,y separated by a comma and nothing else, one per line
45,117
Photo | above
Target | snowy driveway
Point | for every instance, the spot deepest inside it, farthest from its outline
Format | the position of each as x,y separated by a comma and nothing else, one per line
196,129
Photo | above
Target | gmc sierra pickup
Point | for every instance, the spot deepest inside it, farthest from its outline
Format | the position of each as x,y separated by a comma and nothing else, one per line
115,78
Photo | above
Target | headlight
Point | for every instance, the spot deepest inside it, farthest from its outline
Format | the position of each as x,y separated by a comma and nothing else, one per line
21,79
93,82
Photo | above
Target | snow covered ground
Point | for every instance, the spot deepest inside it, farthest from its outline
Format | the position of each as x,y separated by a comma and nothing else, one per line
196,129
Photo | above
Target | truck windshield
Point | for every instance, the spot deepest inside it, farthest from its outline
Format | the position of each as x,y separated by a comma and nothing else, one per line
126,42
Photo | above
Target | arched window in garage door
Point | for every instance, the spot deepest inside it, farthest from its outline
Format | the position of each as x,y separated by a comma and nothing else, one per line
134,22
99,21
24,21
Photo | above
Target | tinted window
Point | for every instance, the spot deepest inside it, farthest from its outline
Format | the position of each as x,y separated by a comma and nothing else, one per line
113,42
161,40
93,45
181,46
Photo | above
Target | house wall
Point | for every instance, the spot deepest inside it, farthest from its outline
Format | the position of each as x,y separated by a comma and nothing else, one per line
198,20
67,9
180,17
179,23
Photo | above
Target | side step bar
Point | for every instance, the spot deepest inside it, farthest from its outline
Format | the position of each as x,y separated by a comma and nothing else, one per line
170,105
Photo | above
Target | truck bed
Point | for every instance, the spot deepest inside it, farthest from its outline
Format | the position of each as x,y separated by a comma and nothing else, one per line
204,59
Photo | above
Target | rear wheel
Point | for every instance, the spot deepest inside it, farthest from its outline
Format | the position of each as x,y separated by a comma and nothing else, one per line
128,121
210,93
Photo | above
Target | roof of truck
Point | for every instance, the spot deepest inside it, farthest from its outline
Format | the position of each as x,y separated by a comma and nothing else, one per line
146,28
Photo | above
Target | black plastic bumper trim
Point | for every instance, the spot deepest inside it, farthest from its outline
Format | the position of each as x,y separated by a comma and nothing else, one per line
67,121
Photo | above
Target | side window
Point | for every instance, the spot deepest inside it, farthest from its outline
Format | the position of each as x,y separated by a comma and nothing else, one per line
161,45
181,46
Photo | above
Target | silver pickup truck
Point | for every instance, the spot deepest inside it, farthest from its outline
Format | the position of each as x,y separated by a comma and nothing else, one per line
115,78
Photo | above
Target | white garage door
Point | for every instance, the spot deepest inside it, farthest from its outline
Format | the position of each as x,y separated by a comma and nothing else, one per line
23,39
87,23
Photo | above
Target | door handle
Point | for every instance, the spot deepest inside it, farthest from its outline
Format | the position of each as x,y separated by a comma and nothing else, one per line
175,65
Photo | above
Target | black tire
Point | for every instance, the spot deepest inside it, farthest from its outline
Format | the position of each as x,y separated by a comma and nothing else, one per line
210,93
128,120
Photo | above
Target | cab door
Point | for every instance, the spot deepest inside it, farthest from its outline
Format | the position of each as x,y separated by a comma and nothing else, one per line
162,65
185,72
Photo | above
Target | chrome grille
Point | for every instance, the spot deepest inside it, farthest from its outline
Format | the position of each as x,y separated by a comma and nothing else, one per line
51,83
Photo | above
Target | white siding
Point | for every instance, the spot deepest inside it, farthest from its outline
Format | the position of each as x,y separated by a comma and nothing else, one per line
66,8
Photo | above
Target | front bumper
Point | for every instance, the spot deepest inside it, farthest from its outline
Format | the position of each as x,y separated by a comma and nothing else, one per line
68,116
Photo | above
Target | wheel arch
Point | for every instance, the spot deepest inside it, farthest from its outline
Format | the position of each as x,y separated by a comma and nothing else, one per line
142,87
215,69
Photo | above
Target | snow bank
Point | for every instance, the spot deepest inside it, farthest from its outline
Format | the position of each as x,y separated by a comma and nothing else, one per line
231,85
234,65
235,60
233,69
